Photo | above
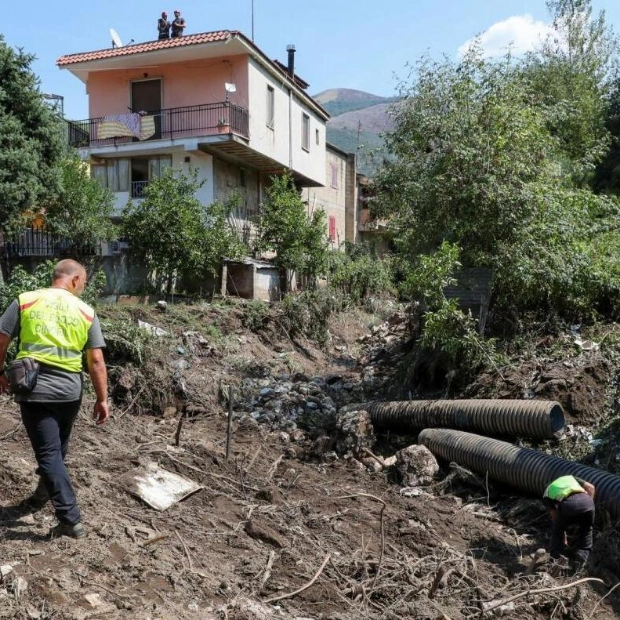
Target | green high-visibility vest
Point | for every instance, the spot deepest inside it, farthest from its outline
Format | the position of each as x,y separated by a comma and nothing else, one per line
54,326
563,487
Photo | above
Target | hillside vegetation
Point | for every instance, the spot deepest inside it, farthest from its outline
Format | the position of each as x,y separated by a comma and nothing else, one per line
358,122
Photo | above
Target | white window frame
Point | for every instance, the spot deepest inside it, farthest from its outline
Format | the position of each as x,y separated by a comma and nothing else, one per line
271,106
305,131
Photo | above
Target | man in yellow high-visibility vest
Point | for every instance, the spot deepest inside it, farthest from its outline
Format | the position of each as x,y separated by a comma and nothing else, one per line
54,327
570,501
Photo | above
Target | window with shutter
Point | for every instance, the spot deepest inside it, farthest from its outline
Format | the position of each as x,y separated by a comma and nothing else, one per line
332,228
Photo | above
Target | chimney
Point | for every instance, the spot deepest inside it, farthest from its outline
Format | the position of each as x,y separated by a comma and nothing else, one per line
291,60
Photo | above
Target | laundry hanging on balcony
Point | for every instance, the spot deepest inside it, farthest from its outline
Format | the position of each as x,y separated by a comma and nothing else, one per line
131,125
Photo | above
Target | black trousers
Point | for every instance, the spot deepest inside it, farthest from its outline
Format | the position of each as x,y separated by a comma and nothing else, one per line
49,425
576,513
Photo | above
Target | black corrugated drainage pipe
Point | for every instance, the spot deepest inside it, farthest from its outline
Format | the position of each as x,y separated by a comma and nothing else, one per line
522,468
538,419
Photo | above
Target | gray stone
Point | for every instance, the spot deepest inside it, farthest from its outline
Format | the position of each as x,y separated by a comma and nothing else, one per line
355,431
416,466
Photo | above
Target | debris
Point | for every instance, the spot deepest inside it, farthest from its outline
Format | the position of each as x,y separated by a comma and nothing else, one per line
262,532
159,488
416,466
18,587
94,600
539,559
155,539
498,610
587,345
412,492
356,432
305,587
156,331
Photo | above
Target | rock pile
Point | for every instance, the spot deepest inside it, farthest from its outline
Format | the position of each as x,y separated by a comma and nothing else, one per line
383,353
286,403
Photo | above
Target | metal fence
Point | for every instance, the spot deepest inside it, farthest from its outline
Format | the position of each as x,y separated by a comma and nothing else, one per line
41,243
187,121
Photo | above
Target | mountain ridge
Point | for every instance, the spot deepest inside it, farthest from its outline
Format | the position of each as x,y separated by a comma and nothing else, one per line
358,122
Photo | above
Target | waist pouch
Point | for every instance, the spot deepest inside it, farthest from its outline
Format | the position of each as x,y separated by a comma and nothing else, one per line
23,374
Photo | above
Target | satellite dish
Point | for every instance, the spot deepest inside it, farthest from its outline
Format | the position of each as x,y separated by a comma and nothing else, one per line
116,40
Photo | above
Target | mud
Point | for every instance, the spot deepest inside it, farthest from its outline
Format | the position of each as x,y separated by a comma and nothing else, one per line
281,530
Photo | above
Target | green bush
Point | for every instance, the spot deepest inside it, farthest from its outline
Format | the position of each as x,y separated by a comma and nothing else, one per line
255,314
445,328
20,281
358,272
126,341
308,313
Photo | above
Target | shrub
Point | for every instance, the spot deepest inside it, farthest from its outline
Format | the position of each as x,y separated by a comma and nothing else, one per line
308,313
358,272
255,315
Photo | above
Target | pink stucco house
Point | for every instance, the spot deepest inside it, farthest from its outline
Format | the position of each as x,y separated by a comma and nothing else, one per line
212,101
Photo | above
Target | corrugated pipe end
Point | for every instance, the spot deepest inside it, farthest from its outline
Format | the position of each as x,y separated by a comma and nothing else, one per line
556,416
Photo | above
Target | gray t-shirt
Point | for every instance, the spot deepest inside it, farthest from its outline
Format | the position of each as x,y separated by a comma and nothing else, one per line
53,383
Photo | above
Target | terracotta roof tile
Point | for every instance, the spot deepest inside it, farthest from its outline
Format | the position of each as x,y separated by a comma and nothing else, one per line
149,46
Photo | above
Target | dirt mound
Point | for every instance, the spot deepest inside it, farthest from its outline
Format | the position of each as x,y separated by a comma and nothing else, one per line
281,529
580,385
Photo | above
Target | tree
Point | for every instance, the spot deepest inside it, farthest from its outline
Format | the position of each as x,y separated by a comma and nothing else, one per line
82,210
219,238
467,149
571,77
299,240
173,233
477,163
31,141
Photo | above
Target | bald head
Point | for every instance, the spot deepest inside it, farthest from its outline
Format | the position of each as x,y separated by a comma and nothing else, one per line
67,268
70,275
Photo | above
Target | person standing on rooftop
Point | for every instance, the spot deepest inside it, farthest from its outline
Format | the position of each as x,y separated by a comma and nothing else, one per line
178,25
163,26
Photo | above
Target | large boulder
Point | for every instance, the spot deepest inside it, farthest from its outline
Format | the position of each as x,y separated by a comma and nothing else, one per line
416,466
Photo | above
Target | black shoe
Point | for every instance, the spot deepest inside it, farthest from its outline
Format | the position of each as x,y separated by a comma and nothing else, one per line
30,504
39,497
68,529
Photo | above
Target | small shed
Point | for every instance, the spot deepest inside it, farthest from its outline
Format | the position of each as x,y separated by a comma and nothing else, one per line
251,278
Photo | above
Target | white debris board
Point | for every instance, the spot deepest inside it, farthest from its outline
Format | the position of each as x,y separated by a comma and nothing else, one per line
157,487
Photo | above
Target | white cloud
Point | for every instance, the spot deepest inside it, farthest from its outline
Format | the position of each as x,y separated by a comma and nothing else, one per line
519,33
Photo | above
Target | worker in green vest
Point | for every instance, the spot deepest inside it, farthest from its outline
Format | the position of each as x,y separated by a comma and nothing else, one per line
570,501
54,327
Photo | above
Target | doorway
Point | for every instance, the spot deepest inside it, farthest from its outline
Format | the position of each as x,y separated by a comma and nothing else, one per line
146,97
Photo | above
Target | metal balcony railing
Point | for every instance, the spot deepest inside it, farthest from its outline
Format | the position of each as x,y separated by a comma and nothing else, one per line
137,188
41,243
184,122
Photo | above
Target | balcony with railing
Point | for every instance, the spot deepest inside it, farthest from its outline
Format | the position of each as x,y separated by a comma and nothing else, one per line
137,188
184,122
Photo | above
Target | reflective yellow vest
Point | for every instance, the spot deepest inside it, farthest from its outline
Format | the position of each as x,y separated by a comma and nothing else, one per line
54,326
563,487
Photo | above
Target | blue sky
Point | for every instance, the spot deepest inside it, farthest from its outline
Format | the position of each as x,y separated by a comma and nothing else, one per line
361,44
